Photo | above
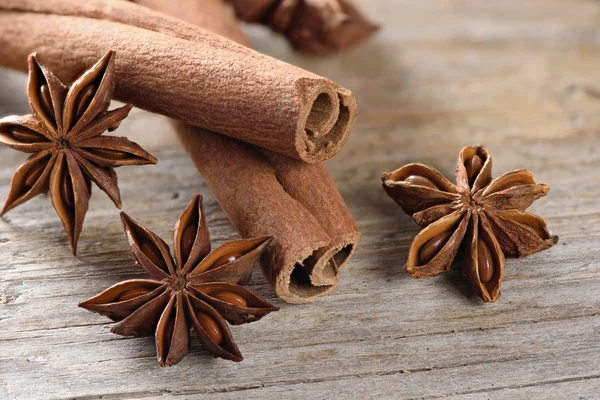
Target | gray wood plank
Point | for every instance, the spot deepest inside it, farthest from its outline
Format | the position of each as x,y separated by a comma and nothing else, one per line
520,77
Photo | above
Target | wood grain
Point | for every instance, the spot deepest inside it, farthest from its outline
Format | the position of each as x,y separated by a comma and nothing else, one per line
521,77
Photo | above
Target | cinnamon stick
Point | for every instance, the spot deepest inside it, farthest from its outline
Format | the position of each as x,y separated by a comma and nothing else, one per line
184,72
264,193
311,26
248,191
312,186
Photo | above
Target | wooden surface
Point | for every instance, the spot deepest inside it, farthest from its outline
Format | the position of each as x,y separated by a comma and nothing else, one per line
522,77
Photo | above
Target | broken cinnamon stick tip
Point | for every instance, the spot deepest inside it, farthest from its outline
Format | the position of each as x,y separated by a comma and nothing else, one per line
351,35
315,27
346,33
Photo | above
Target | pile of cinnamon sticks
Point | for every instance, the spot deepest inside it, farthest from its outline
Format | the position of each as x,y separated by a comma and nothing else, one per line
257,128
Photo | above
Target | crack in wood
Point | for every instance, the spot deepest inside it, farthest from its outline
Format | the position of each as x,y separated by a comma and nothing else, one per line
57,328
519,386
189,392
348,341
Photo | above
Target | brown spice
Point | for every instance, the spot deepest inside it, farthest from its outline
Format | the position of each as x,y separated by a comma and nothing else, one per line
267,194
185,292
166,66
69,151
486,216
311,26
249,192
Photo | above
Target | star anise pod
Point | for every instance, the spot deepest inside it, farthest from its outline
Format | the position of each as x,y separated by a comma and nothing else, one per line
199,289
64,135
487,217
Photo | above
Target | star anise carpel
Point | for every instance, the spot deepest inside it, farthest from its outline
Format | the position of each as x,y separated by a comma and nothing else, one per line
198,289
64,136
483,217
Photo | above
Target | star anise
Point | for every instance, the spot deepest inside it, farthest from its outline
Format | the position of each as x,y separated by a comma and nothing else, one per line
487,217
63,133
200,289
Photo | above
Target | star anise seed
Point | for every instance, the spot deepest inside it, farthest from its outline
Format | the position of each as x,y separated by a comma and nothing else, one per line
484,217
64,135
199,289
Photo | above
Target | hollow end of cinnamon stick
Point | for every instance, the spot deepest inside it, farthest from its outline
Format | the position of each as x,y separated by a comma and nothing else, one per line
344,251
330,261
293,283
314,275
326,119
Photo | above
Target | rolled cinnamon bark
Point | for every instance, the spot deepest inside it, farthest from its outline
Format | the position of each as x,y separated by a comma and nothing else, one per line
247,189
285,185
184,72
312,186
311,26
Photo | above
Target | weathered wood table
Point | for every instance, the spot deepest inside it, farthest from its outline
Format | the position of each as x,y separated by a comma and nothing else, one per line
522,77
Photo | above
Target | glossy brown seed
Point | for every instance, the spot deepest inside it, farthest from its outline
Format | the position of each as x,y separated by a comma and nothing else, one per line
153,253
84,100
34,174
132,293
187,241
25,135
210,326
66,190
485,262
226,259
421,181
473,167
231,298
46,101
433,246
